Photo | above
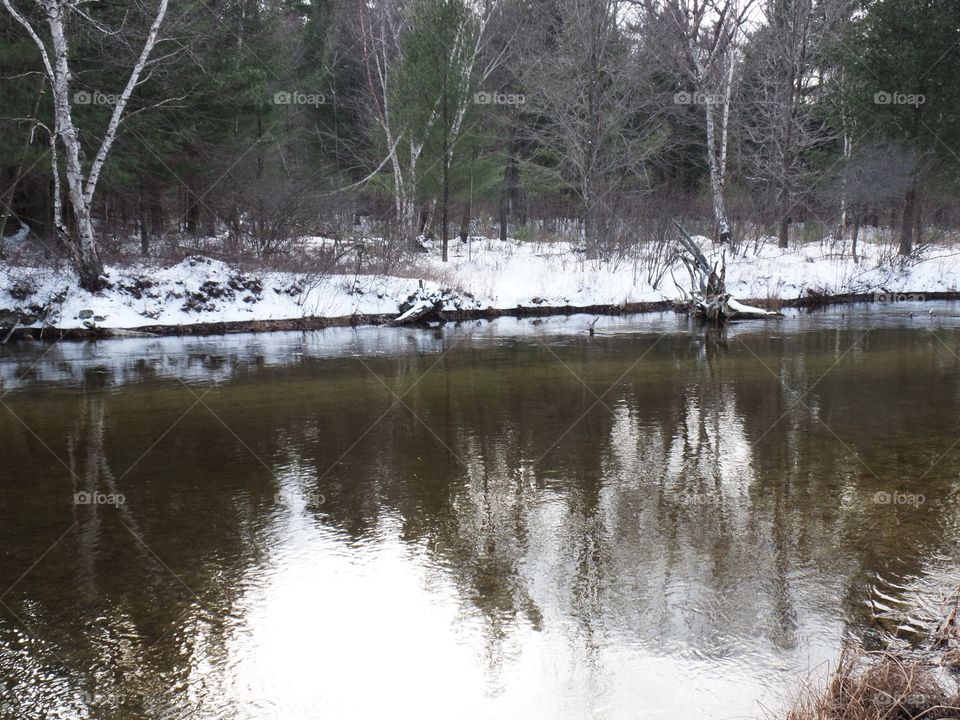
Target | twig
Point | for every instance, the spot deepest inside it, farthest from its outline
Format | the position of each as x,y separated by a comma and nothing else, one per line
9,334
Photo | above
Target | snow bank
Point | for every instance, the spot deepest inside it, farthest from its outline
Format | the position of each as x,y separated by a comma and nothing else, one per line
198,290
787,274
481,274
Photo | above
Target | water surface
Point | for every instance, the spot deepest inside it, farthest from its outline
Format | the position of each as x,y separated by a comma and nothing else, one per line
492,520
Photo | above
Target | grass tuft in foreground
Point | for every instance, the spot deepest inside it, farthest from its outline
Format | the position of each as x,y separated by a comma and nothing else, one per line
895,684
877,686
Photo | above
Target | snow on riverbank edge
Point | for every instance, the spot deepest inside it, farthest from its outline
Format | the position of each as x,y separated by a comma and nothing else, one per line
484,278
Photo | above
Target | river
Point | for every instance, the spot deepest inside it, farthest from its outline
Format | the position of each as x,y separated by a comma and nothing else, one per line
507,519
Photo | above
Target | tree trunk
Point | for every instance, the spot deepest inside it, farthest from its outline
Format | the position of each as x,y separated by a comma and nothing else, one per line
142,220
210,219
444,206
918,220
716,177
786,158
856,235
193,208
83,247
508,197
587,227
410,195
503,216
84,250
157,221
591,225
465,223
423,224
906,227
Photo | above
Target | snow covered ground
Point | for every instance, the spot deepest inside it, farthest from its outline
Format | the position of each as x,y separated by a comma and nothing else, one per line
481,274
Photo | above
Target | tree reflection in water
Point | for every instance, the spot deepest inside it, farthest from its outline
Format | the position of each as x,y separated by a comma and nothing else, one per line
590,516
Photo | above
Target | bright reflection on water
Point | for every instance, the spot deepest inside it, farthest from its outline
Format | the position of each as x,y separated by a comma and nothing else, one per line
497,520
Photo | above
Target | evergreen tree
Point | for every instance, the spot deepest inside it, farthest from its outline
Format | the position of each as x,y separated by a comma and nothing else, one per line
904,64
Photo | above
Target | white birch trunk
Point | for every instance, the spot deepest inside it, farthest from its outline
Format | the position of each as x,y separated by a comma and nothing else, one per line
80,187
713,164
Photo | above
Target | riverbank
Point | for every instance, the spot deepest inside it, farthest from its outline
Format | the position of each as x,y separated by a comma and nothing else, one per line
484,279
47,333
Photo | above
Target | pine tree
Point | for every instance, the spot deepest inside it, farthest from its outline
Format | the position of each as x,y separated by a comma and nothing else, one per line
904,63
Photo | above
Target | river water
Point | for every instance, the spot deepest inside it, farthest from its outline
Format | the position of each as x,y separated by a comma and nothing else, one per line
506,519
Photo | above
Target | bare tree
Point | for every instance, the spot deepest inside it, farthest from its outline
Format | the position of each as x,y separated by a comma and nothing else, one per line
783,80
81,183
382,24
873,176
591,114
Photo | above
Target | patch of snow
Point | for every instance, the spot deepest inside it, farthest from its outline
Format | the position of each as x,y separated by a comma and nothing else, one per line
18,238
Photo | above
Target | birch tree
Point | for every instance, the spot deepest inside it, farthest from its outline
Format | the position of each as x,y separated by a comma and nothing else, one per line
709,32
386,27
381,26
60,18
442,52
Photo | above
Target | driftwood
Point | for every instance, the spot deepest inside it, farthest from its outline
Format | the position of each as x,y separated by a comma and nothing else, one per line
708,297
417,313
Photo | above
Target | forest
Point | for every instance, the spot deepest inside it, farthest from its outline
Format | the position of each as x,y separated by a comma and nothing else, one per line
147,130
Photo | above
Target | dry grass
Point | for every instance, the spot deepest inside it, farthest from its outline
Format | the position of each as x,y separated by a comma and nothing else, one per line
894,684
877,686
418,267
772,302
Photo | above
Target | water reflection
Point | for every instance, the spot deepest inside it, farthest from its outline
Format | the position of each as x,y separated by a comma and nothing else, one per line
664,523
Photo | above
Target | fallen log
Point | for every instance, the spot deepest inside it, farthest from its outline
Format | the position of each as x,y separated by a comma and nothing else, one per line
735,310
